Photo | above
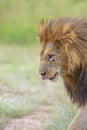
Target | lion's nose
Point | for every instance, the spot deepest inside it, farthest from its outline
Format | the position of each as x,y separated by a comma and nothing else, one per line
44,73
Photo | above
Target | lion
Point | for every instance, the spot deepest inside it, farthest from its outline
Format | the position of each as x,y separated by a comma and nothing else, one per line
64,52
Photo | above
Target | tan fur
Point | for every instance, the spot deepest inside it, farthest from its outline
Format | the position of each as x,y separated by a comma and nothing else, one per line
66,40
80,120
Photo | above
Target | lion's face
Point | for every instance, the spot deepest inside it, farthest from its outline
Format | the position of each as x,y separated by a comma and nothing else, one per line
50,61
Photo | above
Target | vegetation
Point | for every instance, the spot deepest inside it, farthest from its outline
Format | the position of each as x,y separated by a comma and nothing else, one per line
19,18
21,90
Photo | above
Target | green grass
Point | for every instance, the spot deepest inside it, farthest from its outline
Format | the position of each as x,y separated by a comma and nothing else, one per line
16,66
16,33
62,117
19,18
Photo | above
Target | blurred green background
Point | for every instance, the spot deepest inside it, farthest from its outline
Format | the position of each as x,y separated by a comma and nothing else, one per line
19,18
23,95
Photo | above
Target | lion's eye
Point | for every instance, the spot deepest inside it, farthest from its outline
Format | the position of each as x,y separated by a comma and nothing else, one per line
50,57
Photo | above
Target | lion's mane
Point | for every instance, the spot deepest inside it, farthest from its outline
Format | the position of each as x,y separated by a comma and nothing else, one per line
71,37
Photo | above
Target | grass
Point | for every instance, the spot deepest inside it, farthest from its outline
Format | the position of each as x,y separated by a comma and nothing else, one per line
23,93
21,90
19,18
62,117
15,80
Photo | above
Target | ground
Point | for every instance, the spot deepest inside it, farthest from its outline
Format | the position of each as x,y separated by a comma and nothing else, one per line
37,121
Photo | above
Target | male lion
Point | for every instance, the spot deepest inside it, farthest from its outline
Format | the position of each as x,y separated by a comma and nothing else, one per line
64,52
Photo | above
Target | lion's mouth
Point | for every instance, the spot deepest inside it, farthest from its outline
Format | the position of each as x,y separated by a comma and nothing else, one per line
54,78
44,77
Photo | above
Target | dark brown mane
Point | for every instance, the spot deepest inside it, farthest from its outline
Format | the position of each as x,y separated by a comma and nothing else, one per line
71,37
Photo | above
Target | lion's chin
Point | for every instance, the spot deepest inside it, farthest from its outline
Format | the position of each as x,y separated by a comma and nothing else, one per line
55,77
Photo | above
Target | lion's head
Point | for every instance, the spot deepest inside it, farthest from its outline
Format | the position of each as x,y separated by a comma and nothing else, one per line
63,52
50,60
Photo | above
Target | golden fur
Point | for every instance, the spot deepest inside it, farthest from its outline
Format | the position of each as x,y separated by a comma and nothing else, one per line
65,40
64,31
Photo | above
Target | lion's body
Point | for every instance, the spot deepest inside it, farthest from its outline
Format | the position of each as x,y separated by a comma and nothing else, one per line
64,52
